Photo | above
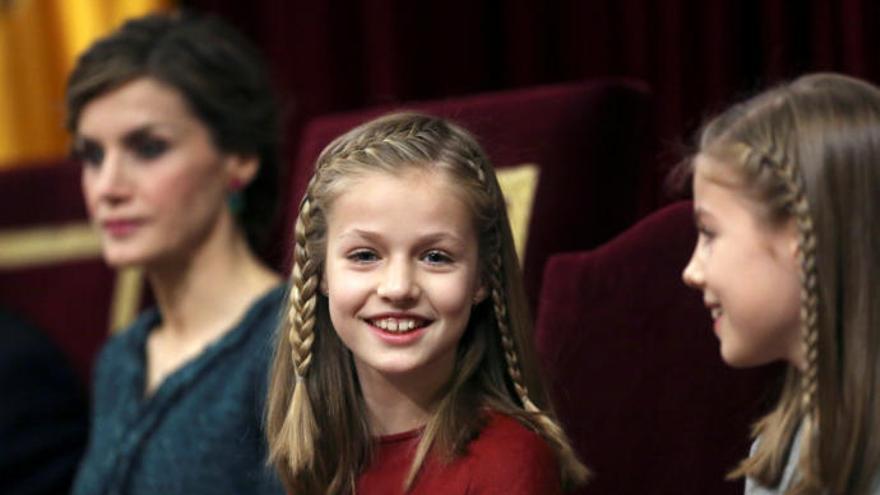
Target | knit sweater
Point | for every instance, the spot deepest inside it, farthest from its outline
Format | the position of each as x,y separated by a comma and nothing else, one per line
200,432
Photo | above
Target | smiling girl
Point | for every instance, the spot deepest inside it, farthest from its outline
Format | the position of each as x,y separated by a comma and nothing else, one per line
787,204
407,364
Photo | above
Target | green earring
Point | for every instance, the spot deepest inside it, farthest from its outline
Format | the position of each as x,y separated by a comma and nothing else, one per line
235,198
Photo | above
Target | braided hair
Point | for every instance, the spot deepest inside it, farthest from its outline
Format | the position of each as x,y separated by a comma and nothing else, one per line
809,153
495,364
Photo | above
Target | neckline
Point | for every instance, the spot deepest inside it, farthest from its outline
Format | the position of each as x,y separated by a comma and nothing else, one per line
187,371
400,437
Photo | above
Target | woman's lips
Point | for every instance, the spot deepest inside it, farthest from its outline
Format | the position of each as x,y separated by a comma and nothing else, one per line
120,228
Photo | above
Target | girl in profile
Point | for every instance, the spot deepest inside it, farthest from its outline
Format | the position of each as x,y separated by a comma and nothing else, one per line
787,204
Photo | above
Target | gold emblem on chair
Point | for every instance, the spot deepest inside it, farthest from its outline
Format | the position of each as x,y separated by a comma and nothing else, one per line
48,245
519,184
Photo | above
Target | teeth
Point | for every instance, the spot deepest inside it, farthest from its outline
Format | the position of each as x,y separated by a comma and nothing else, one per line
716,313
395,325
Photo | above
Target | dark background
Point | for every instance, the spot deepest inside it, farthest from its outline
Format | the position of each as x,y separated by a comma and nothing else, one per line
697,56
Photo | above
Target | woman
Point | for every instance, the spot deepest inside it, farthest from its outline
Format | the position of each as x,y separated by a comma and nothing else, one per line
175,125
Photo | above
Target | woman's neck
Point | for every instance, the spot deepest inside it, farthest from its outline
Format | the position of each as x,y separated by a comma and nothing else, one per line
402,402
207,291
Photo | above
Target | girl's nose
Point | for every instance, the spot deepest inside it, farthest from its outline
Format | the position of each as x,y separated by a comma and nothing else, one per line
693,273
398,282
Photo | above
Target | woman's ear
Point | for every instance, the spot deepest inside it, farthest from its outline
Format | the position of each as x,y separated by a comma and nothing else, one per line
241,169
481,294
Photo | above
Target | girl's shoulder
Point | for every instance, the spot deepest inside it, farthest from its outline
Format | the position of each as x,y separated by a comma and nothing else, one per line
508,457
506,431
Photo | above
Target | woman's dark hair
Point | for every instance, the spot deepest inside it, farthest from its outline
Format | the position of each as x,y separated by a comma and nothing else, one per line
222,78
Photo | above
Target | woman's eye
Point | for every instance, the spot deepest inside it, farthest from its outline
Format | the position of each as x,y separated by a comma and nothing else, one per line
88,154
436,257
363,256
149,149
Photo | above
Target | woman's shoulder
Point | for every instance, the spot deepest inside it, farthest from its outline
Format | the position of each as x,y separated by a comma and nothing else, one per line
265,311
128,340
507,450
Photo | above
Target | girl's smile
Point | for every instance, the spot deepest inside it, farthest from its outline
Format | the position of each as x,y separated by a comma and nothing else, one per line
746,269
401,272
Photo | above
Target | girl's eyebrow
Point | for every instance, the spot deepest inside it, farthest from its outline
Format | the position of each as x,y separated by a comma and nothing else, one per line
700,213
429,238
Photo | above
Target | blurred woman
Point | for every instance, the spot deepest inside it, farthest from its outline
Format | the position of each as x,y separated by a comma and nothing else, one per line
176,128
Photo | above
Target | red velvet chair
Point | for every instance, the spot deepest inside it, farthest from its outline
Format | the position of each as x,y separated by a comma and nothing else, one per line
635,369
51,271
590,141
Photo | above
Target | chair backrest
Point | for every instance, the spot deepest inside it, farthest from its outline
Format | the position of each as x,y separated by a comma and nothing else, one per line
51,271
589,141
635,369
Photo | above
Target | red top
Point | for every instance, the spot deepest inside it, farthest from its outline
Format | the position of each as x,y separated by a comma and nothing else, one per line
506,458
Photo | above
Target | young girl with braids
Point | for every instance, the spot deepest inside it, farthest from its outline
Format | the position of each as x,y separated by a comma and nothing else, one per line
407,364
787,204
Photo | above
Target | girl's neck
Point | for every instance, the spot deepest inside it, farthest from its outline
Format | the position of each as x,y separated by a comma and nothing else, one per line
209,289
402,402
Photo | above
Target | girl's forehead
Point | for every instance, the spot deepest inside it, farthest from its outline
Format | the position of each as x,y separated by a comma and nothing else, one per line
415,180
720,170
396,203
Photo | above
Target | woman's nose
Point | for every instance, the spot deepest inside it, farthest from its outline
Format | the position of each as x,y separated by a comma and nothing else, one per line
109,180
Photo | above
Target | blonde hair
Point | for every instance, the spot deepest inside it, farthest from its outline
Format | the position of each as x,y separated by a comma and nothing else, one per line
318,438
809,151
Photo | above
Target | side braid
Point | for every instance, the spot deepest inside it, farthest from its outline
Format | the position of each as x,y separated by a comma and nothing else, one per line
300,426
570,466
511,355
499,302
785,169
572,469
303,294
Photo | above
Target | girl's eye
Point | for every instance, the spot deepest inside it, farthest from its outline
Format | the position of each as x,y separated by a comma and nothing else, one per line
88,153
363,256
436,257
706,235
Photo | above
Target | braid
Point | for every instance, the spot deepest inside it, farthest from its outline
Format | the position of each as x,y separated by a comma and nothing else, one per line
300,426
570,466
303,294
511,356
784,168
573,471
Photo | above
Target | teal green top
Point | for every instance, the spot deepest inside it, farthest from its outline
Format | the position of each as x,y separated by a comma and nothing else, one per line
201,431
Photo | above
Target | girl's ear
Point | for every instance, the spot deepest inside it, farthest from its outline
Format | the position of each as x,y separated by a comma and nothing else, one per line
793,239
322,286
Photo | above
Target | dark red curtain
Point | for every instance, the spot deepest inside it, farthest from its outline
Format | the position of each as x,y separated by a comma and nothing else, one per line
697,55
